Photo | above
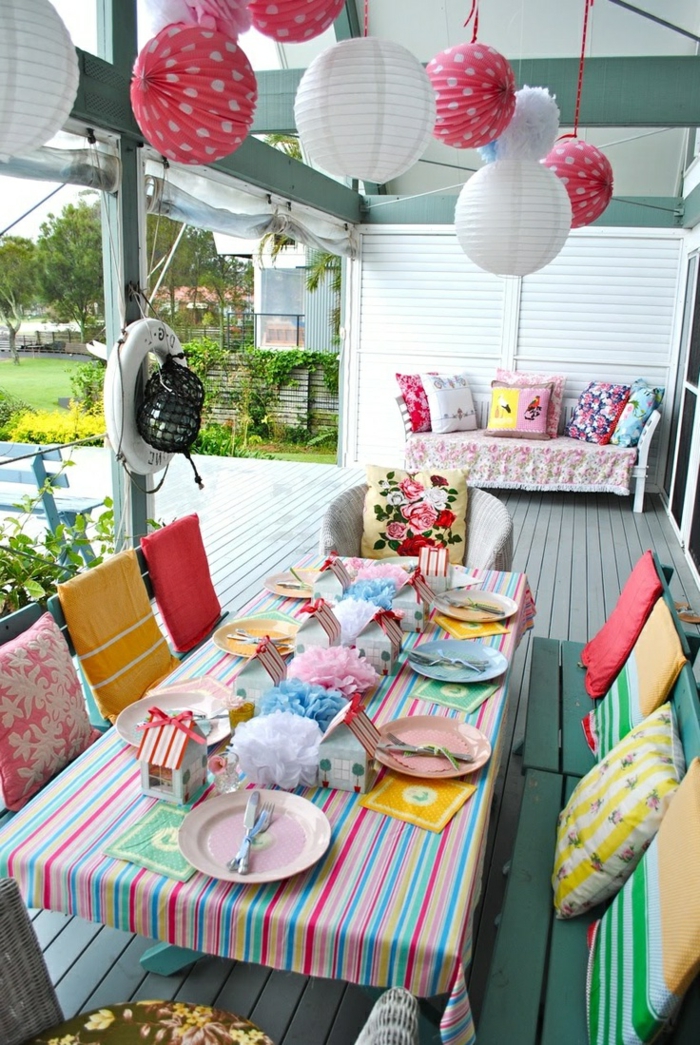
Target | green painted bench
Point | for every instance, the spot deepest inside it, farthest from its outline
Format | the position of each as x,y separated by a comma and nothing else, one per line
536,987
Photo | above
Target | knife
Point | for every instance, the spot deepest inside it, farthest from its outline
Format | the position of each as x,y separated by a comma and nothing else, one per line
249,818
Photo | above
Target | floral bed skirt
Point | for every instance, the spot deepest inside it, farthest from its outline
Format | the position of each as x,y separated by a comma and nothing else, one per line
525,464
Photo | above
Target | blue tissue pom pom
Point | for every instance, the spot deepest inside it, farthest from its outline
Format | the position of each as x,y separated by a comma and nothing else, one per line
380,592
489,152
305,699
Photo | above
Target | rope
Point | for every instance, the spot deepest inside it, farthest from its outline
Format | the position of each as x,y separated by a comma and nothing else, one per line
365,31
588,4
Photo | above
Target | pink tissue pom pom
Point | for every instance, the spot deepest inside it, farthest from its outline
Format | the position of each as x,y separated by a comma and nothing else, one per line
384,571
338,667
229,17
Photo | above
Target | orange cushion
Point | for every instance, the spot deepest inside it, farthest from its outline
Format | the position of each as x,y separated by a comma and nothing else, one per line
606,653
179,570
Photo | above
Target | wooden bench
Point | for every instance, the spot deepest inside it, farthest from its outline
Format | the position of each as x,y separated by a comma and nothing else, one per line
43,468
536,987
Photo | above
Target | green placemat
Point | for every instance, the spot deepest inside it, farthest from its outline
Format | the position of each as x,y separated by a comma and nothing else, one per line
152,843
466,697
269,615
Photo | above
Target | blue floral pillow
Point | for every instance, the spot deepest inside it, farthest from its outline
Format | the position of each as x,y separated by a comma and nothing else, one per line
640,406
597,412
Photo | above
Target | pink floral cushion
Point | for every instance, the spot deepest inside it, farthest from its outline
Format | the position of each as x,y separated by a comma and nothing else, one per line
413,392
43,718
597,412
522,379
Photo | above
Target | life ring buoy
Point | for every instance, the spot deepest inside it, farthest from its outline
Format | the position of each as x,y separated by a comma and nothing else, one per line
123,368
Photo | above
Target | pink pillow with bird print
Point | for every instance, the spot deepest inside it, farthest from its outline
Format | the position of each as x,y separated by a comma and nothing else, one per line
519,413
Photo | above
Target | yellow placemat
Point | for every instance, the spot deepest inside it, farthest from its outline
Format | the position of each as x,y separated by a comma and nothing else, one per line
426,803
469,629
462,696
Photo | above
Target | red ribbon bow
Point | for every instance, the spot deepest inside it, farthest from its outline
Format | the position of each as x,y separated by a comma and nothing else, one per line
355,708
329,561
383,616
415,576
183,721
313,607
263,646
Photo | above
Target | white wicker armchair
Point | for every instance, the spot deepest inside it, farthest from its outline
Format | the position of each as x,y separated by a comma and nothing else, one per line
489,528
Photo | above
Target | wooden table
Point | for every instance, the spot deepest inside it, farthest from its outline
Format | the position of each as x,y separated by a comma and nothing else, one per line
389,904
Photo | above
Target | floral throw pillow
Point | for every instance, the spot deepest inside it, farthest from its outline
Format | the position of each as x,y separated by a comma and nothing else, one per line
597,412
416,401
522,379
43,718
643,401
405,512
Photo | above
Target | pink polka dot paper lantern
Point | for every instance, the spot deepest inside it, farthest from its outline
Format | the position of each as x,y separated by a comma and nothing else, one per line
294,21
587,176
193,93
475,95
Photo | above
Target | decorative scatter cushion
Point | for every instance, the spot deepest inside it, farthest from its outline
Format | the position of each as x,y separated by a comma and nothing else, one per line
646,948
179,571
416,401
450,401
643,684
597,412
404,513
519,413
614,812
43,719
608,650
643,401
522,379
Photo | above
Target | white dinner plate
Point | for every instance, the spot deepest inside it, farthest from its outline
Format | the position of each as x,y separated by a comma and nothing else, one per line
497,662
443,732
501,603
203,696
297,837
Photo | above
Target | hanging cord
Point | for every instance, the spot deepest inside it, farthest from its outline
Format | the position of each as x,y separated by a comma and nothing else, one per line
31,209
588,4
166,168
474,13
365,31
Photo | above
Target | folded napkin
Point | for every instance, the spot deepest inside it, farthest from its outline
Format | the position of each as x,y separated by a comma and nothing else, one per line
463,696
179,571
116,636
429,803
152,843
469,629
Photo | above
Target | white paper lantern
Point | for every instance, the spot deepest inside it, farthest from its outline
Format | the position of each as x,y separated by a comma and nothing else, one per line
512,217
38,75
365,108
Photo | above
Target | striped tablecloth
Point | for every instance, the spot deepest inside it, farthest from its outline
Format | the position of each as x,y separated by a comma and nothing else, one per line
388,904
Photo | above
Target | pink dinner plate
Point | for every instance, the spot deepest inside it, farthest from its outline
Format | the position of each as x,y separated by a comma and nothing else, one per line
297,837
443,732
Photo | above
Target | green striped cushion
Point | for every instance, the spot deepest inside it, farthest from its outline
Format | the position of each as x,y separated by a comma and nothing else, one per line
646,948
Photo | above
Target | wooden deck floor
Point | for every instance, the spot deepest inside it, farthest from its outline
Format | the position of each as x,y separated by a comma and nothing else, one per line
257,517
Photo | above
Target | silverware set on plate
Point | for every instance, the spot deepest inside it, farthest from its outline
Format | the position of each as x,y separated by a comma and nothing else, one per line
256,821
470,661
397,746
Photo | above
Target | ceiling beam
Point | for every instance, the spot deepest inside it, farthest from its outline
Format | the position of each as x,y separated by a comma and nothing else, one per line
103,102
643,211
657,91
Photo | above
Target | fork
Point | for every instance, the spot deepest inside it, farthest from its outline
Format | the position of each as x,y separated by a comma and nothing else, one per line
427,749
239,862
472,663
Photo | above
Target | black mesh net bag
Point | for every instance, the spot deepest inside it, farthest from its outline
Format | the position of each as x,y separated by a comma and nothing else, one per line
170,415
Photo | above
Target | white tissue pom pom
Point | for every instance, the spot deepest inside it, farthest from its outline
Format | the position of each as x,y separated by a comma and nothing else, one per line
160,13
353,615
280,748
532,132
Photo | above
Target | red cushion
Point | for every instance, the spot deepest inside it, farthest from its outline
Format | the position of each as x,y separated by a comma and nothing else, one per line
177,563
416,401
607,652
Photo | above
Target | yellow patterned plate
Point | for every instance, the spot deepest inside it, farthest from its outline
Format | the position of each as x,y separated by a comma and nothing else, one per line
241,636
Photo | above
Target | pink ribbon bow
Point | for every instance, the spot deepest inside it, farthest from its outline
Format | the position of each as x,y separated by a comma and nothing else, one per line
183,722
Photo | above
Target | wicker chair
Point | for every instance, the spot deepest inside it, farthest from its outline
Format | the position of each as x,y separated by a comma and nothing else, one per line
489,528
392,1021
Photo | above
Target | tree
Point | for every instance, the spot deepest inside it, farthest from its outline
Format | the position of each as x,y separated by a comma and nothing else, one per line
69,251
325,266
18,284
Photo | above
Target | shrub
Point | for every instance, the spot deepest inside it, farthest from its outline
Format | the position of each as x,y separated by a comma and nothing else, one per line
219,441
55,426
9,407
87,382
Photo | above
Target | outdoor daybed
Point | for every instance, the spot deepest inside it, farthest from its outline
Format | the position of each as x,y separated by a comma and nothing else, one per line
561,463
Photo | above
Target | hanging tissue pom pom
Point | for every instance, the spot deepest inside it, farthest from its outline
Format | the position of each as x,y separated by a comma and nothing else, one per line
354,615
338,668
301,698
533,129
280,749
230,17
381,592
587,177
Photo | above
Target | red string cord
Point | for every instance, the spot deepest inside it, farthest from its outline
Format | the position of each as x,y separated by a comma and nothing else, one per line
474,13
366,25
579,87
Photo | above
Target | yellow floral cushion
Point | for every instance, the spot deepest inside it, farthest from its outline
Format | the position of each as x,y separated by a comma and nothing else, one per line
405,512
614,813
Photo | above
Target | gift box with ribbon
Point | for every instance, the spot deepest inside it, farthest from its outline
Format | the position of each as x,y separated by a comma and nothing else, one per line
332,580
173,756
413,600
434,564
262,672
346,753
380,641
320,628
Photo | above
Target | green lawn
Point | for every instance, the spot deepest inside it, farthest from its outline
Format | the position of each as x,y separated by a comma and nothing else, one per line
39,382
310,458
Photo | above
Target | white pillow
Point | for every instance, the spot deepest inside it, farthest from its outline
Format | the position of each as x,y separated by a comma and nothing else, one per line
450,401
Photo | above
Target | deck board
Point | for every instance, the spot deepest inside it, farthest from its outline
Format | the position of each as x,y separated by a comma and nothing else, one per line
258,517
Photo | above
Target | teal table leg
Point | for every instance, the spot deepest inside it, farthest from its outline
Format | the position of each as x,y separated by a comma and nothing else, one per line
166,959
